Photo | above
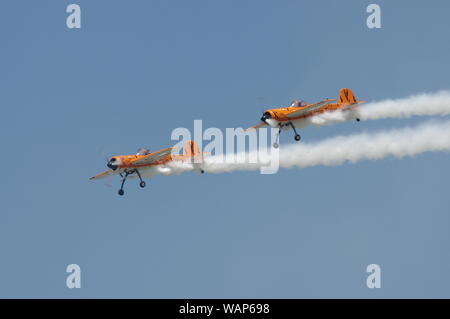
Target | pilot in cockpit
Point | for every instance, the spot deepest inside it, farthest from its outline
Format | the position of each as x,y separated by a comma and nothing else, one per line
298,103
142,151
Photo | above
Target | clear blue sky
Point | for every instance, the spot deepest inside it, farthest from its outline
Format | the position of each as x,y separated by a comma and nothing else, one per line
138,69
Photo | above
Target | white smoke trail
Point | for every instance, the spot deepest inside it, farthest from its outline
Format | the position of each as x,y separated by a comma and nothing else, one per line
409,141
432,104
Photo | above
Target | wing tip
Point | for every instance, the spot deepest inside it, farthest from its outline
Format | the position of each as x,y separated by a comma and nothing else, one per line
101,175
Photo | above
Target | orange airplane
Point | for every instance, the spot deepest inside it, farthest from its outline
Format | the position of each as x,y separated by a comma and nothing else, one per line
298,114
146,164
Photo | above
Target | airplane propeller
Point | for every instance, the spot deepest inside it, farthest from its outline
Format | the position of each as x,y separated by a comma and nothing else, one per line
108,180
261,104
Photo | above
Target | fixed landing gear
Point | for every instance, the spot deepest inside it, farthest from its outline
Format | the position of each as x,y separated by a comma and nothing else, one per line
142,183
124,178
297,136
276,145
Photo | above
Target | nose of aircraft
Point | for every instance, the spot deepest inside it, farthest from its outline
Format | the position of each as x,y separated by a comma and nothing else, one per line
265,117
112,163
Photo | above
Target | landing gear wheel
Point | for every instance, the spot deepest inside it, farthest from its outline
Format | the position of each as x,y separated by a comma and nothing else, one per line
297,137
202,171
142,184
357,120
275,145
120,192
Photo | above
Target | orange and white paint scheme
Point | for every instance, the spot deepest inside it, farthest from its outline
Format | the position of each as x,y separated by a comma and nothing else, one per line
297,115
145,164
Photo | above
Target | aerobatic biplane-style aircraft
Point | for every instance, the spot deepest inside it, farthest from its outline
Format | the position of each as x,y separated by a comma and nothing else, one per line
143,162
298,114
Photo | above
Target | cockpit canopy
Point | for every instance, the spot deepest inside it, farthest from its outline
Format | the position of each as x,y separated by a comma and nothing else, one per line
142,151
297,103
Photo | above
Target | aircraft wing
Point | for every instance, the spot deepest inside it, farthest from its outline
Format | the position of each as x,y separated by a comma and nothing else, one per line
153,157
103,175
256,126
309,108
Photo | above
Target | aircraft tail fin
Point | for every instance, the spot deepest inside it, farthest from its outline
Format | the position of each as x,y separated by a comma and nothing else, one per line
191,149
346,96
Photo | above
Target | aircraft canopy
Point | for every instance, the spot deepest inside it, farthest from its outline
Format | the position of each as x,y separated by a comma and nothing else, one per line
142,151
297,103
